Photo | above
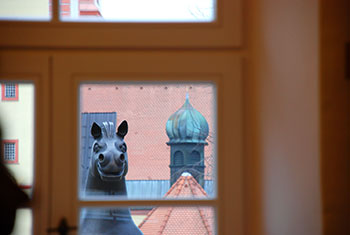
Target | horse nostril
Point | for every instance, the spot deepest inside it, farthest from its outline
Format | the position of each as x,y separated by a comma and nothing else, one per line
122,157
101,157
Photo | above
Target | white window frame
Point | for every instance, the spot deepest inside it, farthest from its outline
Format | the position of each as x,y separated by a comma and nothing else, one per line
225,32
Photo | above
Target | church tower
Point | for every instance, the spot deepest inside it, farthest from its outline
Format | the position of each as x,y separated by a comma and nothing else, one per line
187,130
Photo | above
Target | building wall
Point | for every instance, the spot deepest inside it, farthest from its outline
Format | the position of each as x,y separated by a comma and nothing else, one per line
27,8
17,121
147,108
282,149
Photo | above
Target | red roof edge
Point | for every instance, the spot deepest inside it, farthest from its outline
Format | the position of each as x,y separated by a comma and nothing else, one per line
147,216
205,221
165,221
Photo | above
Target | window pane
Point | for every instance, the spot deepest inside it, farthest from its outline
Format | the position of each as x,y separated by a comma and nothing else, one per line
17,124
139,10
23,222
156,220
24,10
165,149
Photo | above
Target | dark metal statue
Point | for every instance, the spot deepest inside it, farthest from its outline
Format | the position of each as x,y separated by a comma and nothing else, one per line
109,165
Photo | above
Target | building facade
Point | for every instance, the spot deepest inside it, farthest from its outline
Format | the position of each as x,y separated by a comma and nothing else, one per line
17,123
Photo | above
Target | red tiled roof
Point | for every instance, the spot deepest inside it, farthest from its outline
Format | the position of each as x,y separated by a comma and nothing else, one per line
147,109
180,220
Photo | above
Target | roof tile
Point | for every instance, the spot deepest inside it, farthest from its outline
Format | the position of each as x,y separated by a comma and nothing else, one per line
180,220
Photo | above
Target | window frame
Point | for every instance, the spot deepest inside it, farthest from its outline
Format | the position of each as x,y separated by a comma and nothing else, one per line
33,67
225,32
73,68
12,141
3,92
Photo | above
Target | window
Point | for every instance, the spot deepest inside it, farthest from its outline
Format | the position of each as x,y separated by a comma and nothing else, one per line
166,121
10,151
203,24
58,116
119,86
18,138
139,11
178,158
9,91
35,10
195,158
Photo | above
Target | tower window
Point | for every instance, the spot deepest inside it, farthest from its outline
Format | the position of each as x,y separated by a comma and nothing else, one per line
194,157
178,158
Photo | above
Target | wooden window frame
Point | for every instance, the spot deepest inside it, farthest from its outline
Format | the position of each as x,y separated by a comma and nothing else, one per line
73,69
29,67
3,93
13,141
224,32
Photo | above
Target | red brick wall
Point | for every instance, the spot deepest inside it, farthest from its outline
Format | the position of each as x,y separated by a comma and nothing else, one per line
86,8
147,109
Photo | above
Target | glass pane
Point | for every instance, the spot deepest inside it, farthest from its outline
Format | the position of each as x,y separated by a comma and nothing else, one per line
17,124
23,222
165,148
25,10
138,10
148,220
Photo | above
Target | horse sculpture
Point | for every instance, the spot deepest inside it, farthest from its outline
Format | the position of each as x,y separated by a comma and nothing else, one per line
109,165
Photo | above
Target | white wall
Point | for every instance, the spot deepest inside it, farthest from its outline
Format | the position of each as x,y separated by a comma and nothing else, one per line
24,8
17,121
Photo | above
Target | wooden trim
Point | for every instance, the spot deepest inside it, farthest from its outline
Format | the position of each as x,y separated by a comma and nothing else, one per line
225,32
335,117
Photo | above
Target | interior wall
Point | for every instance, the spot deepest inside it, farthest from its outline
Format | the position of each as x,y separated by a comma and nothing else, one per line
282,163
335,117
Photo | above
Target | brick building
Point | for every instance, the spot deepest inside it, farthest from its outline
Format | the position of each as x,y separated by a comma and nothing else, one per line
147,108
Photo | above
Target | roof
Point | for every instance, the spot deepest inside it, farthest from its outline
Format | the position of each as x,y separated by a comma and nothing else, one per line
187,125
180,220
156,189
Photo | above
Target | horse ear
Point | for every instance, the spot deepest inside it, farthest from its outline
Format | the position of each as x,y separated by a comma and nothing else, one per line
96,131
122,129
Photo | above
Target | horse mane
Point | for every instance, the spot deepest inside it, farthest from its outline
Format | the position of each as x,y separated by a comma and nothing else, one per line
108,129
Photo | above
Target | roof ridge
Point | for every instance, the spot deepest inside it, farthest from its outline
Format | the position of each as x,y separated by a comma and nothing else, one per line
205,221
147,217
165,221
200,187
174,185
181,185
191,185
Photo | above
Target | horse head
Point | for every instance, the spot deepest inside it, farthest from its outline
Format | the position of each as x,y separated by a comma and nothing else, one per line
109,158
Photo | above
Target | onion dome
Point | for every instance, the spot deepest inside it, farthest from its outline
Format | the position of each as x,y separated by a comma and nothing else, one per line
187,125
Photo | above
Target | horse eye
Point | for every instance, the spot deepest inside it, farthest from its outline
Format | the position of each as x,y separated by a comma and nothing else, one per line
96,147
122,147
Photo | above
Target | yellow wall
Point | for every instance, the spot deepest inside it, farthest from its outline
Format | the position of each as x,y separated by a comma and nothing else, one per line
24,8
17,121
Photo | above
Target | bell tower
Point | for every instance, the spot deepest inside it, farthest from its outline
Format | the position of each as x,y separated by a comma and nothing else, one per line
187,130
